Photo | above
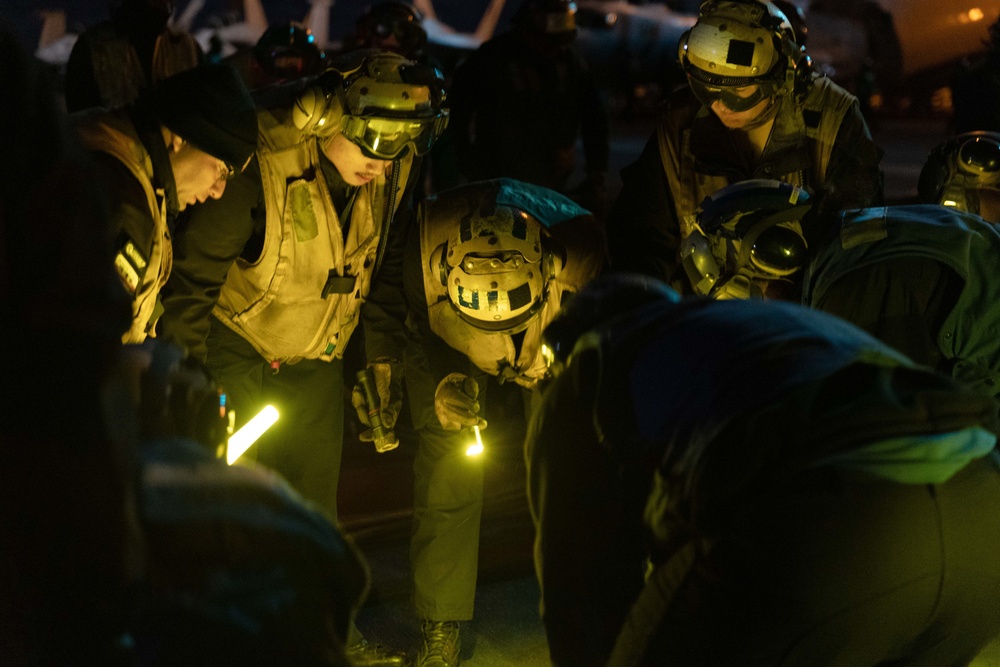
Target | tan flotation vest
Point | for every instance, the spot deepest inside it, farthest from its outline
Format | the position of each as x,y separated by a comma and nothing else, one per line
143,270
280,303
495,353
817,118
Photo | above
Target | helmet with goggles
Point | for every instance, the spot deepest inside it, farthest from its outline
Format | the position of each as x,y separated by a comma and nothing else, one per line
288,51
496,266
745,234
554,21
393,20
738,52
386,104
959,170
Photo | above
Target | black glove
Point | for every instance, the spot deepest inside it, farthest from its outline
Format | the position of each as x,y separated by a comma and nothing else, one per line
455,402
389,386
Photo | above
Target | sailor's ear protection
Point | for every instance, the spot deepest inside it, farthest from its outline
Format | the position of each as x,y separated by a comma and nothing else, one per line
318,108
553,257
439,264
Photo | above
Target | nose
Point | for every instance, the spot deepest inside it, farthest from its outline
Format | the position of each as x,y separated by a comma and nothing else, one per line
376,166
217,189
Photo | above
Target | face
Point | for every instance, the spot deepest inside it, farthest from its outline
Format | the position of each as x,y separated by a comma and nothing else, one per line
737,120
354,167
198,175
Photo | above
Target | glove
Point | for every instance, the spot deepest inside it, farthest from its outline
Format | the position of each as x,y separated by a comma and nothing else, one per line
455,402
389,386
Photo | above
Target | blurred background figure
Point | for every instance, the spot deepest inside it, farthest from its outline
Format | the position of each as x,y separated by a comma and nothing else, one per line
113,61
392,25
975,89
285,52
524,99
727,482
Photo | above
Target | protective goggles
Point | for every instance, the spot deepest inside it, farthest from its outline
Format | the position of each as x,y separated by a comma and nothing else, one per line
737,93
981,157
384,138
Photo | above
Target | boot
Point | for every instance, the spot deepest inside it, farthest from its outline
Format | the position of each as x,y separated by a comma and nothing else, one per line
441,644
365,654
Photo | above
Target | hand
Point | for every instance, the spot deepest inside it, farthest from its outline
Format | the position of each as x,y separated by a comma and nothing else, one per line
455,402
389,387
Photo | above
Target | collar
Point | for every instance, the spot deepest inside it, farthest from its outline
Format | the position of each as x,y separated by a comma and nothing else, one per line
148,129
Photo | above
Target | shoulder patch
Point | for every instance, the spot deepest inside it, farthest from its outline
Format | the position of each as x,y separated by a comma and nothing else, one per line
130,264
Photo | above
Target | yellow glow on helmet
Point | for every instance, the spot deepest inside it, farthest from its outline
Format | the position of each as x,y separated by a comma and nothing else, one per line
737,43
495,269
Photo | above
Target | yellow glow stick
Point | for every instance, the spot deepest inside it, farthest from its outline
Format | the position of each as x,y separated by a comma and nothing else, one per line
240,441
475,448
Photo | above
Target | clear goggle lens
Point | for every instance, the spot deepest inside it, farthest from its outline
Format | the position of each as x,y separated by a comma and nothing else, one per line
388,138
980,156
734,98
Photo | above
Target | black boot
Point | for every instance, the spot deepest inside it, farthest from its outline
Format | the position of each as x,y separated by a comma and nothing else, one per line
441,645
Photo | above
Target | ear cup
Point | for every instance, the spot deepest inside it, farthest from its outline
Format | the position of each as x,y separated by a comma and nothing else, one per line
313,109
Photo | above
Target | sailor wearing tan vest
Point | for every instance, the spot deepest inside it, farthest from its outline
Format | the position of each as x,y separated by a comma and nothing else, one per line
753,108
175,147
488,269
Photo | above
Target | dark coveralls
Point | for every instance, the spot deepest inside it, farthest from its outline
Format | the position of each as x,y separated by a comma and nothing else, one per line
805,495
305,445
448,485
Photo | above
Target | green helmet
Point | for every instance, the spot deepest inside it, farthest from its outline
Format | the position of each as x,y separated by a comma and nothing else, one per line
738,44
379,100
958,169
745,234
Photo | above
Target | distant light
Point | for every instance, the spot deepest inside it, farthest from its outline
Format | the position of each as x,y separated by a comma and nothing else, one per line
948,202
976,14
476,448
253,429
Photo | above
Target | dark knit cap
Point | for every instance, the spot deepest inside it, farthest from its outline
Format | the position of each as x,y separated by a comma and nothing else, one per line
210,107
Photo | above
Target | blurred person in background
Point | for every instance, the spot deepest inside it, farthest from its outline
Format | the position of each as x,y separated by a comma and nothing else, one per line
113,61
523,100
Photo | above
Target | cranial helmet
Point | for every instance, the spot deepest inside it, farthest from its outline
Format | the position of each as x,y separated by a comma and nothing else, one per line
745,234
737,44
379,100
496,266
393,18
957,169
288,51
